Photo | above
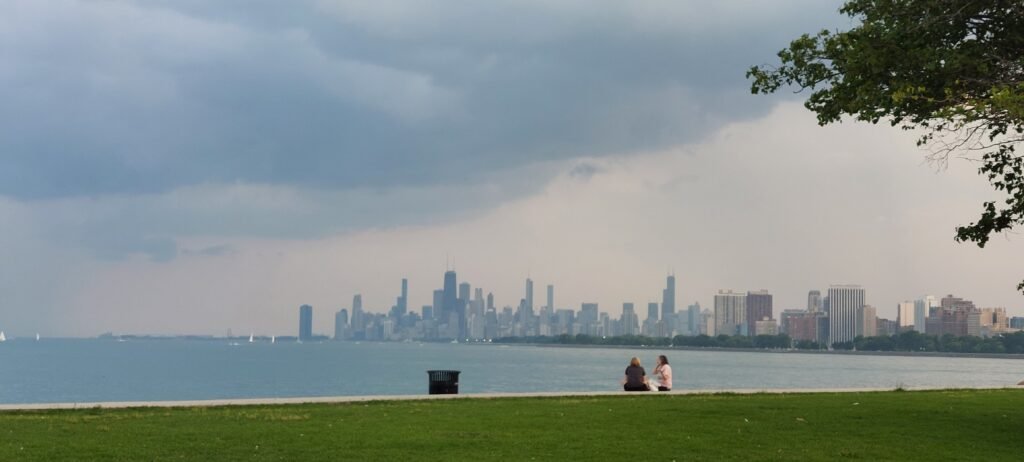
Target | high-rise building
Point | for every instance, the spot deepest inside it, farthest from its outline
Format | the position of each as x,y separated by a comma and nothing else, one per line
730,313
340,324
668,298
867,321
464,291
451,312
814,304
693,319
652,311
922,309
1017,322
305,322
403,300
905,312
438,304
844,304
358,322
529,295
629,320
759,308
950,317
551,299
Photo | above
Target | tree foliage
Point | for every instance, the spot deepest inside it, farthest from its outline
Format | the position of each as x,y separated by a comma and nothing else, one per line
953,69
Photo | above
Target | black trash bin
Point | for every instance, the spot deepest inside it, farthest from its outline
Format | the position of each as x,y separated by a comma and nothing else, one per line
444,382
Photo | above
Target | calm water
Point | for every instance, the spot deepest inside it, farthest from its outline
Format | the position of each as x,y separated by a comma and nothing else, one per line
59,370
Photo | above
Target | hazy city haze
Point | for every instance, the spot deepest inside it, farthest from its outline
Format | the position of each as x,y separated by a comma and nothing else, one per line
191,167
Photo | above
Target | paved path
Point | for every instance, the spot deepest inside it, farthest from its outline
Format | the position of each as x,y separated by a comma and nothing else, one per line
359,399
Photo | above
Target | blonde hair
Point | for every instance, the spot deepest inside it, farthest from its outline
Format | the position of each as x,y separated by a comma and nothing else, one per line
634,362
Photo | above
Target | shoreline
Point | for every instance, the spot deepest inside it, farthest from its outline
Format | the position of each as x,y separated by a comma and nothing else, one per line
925,354
376,398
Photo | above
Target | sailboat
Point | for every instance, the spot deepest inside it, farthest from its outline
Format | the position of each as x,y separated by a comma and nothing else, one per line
3,338
37,336
273,339
250,337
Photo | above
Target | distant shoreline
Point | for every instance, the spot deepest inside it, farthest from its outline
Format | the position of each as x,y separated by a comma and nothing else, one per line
932,354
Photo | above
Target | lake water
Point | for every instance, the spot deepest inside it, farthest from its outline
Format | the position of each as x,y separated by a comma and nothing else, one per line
67,370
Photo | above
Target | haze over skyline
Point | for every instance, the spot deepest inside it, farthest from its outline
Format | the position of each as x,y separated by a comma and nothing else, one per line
184,167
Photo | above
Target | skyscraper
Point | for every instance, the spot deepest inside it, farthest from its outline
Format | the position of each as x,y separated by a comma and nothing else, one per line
340,324
652,312
730,312
905,315
358,317
867,321
438,305
844,303
529,295
814,301
668,299
305,322
451,311
403,301
629,321
759,308
693,319
551,299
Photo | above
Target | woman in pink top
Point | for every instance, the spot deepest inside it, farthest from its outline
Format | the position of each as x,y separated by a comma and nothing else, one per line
664,374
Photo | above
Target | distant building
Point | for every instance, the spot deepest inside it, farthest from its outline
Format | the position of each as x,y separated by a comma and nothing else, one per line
905,312
305,322
886,327
766,327
759,308
1017,322
668,298
950,317
529,295
812,327
730,313
844,304
693,319
867,321
629,320
340,324
814,301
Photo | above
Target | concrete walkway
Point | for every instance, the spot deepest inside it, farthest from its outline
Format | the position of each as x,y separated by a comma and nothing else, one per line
360,399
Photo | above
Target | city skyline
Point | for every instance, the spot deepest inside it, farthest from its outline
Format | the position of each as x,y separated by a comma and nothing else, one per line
221,165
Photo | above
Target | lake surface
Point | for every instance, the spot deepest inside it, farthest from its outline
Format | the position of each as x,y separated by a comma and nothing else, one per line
91,370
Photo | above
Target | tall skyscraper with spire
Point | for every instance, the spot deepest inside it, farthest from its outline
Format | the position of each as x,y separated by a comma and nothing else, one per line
668,299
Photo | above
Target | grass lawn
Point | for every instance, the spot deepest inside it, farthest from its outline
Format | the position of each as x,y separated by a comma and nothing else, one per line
932,425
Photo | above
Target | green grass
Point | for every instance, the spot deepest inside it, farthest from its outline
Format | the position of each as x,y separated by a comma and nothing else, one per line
940,425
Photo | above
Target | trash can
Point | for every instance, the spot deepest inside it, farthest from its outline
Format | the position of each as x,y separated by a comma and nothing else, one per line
444,382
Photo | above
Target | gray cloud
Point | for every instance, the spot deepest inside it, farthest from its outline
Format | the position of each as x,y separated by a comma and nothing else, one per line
146,97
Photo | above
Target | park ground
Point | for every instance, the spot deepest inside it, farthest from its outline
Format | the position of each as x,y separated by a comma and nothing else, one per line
892,425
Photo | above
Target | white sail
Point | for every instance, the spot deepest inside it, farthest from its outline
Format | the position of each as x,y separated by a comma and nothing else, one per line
250,337
37,336
273,339
3,338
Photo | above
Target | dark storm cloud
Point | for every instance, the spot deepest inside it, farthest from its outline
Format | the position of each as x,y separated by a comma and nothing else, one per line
145,97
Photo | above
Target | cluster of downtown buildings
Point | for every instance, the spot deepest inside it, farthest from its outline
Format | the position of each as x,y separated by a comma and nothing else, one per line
460,312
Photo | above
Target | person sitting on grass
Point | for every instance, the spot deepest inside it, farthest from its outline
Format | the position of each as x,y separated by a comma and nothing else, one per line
636,377
663,373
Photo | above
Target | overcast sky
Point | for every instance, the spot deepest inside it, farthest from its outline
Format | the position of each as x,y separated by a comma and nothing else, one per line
190,166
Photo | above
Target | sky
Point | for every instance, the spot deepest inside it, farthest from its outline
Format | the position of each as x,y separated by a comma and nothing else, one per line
191,167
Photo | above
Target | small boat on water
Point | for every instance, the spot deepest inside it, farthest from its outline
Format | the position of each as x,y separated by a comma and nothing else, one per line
37,336
273,339
3,338
250,337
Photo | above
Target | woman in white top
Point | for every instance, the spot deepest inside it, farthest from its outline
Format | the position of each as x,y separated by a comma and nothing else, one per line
663,372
